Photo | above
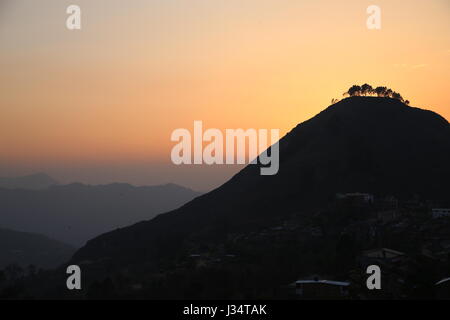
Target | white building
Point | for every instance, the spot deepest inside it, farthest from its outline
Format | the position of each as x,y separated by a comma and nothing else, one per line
440,212
321,289
365,197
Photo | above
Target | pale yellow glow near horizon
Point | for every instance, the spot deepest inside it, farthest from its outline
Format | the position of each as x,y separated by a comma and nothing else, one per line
114,91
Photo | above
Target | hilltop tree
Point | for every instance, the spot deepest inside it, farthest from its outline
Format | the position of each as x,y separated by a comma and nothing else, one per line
388,93
380,91
353,91
367,90
396,95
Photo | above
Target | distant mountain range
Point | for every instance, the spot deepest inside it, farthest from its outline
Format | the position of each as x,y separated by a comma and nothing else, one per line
366,144
24,249
34,181
76,212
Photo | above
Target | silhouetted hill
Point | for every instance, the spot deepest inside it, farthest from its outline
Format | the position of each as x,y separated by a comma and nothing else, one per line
34,181
76,212
366,144
24,249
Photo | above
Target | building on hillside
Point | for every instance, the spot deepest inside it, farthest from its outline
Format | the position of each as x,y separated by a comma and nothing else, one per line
440,212
356,197
442,289
436,249
355,202
387,215
321,289
387,203
383,254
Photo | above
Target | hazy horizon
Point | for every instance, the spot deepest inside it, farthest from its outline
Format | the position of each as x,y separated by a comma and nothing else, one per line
98,105
213,176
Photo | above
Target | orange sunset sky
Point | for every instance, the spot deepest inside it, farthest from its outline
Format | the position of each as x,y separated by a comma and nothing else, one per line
99,104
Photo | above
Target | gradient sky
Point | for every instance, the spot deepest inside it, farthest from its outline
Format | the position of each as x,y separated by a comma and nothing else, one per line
99,105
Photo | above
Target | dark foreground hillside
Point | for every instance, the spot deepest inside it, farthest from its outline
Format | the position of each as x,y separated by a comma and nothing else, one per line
375,145
254,235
